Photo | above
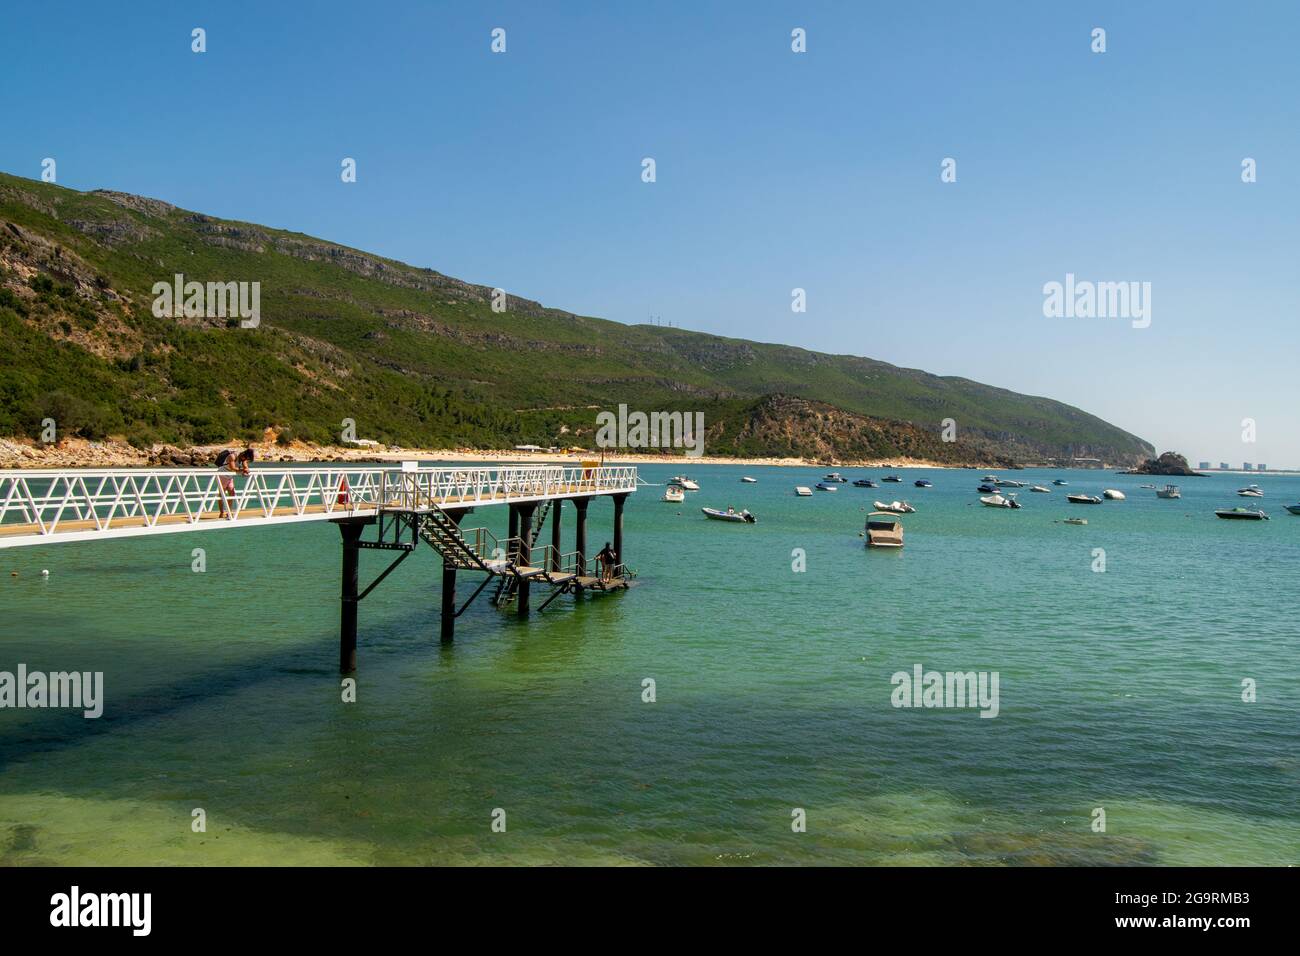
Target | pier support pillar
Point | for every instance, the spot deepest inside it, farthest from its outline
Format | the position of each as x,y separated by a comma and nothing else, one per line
525,553
618,527
556,529
580,545
351,531
447,628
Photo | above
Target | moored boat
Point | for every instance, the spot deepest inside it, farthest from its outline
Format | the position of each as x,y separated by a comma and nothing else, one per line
674,494
894,507
1009,483
893,478
1076,520
1242,514
834,476
1083,499
827,486
731,514
1169,491
1113,495
864,483
1041,490
1251,491
746,480
923,483
884,530
987,489
1059,481
1294,509
998,501
682,481
803,491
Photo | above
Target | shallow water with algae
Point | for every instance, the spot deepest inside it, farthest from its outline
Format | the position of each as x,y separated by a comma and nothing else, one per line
1119,690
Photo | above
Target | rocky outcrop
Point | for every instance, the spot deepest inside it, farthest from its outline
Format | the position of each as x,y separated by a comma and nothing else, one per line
1170,463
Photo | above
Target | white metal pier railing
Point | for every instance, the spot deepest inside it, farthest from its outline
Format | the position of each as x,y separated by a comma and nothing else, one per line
89,504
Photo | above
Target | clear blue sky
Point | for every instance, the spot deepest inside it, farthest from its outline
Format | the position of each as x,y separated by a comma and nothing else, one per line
775,170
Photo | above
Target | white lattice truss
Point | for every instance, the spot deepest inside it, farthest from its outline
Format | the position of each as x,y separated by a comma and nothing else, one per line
37,507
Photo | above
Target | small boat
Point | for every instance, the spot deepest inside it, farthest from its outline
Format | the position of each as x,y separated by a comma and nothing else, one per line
1009,483
991,479
923,483
803,491
884,530
674,494
1059,481
1083,499
827,486
1250,491
1041,490
1169,491
1244,514
893,478
1076,520
731,514
1294,509
864,483
997,501
746,480
1113,495
835,476
1147,487
987,489
894,507
681,481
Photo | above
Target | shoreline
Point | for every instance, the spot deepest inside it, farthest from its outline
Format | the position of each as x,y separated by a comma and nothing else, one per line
21,453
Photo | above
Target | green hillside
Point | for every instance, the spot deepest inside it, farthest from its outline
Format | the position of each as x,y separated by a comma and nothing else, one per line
415,357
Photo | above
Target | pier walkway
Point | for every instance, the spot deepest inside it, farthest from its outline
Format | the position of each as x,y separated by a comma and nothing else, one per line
405,504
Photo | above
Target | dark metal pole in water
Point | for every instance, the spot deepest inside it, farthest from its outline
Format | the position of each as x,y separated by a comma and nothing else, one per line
448,625
525,553
556,540
580,545
351,531
618,528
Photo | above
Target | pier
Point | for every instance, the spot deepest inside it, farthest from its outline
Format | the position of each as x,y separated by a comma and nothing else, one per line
403,505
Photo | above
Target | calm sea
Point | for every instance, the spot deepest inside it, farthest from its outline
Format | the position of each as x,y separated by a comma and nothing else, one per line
1120,690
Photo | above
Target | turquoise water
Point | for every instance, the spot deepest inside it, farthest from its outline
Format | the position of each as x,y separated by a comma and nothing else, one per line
1120,690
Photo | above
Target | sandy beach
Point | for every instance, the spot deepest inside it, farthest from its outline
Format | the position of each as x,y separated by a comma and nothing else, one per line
81,453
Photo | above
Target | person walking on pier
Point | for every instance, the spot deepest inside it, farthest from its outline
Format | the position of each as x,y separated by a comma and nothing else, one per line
608,562
228,461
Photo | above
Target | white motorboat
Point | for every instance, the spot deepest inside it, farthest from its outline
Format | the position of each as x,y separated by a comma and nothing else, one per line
835,476
883,530
746,480
1113,495
803,491
997,501
731,514
1041,490
681,481
827,486
1247,514
1009,483
1251,491
1076,520
674,495
895,507
1083,499
1169,491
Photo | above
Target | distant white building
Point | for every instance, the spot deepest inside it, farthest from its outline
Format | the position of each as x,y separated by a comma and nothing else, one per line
528,448
1245,466
1224,466
1261,467
1204,466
